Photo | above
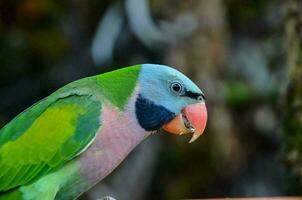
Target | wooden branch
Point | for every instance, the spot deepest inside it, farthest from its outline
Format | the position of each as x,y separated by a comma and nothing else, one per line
260,198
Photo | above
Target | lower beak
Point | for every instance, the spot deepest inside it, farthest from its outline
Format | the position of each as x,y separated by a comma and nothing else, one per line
192,119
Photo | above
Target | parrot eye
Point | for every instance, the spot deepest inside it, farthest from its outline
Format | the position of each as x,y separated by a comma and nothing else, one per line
176,87
201,98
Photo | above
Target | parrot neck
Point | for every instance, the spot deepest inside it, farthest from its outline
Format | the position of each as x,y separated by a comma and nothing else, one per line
118,86
119,135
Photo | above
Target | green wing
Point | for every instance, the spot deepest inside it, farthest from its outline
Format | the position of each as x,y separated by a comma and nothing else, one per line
45,136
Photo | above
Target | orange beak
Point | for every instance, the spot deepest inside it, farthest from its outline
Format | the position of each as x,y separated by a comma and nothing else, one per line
192,119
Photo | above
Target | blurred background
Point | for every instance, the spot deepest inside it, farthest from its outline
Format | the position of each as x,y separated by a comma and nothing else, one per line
245,55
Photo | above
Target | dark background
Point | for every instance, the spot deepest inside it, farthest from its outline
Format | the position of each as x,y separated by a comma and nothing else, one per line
236,51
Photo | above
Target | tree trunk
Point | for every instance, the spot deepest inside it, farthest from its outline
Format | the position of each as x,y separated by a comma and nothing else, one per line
293,97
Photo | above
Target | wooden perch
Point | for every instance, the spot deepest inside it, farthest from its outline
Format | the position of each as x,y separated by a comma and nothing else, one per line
259,198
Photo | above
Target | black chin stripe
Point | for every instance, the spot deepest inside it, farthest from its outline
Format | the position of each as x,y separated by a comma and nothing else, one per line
151,116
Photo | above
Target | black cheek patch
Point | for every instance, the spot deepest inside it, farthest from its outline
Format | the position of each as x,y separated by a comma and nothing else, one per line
150,116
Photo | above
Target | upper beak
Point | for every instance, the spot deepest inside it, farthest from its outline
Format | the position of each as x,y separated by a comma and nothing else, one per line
192,119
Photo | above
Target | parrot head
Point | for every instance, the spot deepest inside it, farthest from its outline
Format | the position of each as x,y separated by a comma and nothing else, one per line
169,100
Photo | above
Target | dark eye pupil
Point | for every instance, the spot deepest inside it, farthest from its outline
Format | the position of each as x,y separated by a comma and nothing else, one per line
176,87
201,97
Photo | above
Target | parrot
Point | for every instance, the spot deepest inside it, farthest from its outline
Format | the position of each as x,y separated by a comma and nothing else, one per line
63,145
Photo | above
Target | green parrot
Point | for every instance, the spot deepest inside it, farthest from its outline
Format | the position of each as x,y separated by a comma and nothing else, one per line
66,143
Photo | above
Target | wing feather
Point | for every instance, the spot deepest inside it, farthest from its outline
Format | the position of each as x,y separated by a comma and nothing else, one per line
46,136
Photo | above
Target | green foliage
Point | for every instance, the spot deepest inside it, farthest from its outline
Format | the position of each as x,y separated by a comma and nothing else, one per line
238,93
